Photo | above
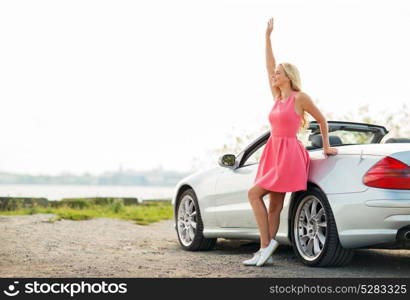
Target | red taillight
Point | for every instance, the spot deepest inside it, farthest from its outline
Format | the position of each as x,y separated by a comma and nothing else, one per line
388,173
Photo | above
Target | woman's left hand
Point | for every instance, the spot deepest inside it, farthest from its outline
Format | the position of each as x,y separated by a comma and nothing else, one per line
329,151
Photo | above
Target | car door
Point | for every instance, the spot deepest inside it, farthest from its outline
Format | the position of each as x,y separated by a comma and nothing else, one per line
232,207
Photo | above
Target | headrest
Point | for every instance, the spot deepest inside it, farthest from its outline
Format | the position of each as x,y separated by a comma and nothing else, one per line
397,140
317,140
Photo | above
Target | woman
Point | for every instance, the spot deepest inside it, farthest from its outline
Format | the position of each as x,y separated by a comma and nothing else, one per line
284,163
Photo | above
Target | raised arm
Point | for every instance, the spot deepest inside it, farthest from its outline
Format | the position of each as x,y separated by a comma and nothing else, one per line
270,59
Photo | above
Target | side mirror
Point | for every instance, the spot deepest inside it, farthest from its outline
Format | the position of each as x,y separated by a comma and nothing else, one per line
227,160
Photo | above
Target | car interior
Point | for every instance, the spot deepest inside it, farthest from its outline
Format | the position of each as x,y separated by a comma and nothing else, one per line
340,134
397,140
316,141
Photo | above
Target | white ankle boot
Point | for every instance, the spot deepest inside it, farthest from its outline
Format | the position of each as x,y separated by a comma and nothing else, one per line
267,252
255,258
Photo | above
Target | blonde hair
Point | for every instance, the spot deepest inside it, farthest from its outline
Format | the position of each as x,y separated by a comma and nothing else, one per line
292,73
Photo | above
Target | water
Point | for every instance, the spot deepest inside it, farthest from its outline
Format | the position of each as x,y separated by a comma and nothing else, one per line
57,192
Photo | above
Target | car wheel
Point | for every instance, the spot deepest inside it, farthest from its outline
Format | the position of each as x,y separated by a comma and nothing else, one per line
314,235
189,224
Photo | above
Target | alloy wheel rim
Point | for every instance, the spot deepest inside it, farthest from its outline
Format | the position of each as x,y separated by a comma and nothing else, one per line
310,228
187,220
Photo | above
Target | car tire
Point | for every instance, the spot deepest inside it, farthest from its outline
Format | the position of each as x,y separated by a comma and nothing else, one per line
314,237
187,214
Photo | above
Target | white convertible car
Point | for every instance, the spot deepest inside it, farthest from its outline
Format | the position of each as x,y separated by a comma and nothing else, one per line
359,198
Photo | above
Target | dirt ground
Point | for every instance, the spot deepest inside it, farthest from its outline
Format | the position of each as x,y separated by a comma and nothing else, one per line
33,247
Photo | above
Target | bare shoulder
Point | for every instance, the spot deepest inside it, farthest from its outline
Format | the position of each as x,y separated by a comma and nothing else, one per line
306,104
303,98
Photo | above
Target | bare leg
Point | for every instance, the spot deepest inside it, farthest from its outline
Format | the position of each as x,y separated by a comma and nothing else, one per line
275,207
255,197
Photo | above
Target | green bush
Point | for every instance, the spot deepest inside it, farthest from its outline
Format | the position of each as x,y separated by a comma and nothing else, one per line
32,210
102,201
117,206
16,203
73,203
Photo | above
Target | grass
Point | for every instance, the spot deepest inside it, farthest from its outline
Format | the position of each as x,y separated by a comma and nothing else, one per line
80,209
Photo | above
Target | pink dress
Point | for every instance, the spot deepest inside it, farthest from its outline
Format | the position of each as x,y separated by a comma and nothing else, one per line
284,163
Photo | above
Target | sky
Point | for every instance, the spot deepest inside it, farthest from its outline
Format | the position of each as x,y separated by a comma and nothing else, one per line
94,86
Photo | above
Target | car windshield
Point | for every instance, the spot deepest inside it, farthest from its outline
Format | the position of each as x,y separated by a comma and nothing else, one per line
345,137
342,133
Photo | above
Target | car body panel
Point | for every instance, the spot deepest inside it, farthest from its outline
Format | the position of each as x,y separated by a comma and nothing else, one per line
370,217
203,184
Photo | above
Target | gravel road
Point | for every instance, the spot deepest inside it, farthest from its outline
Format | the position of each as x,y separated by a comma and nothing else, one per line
31,246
